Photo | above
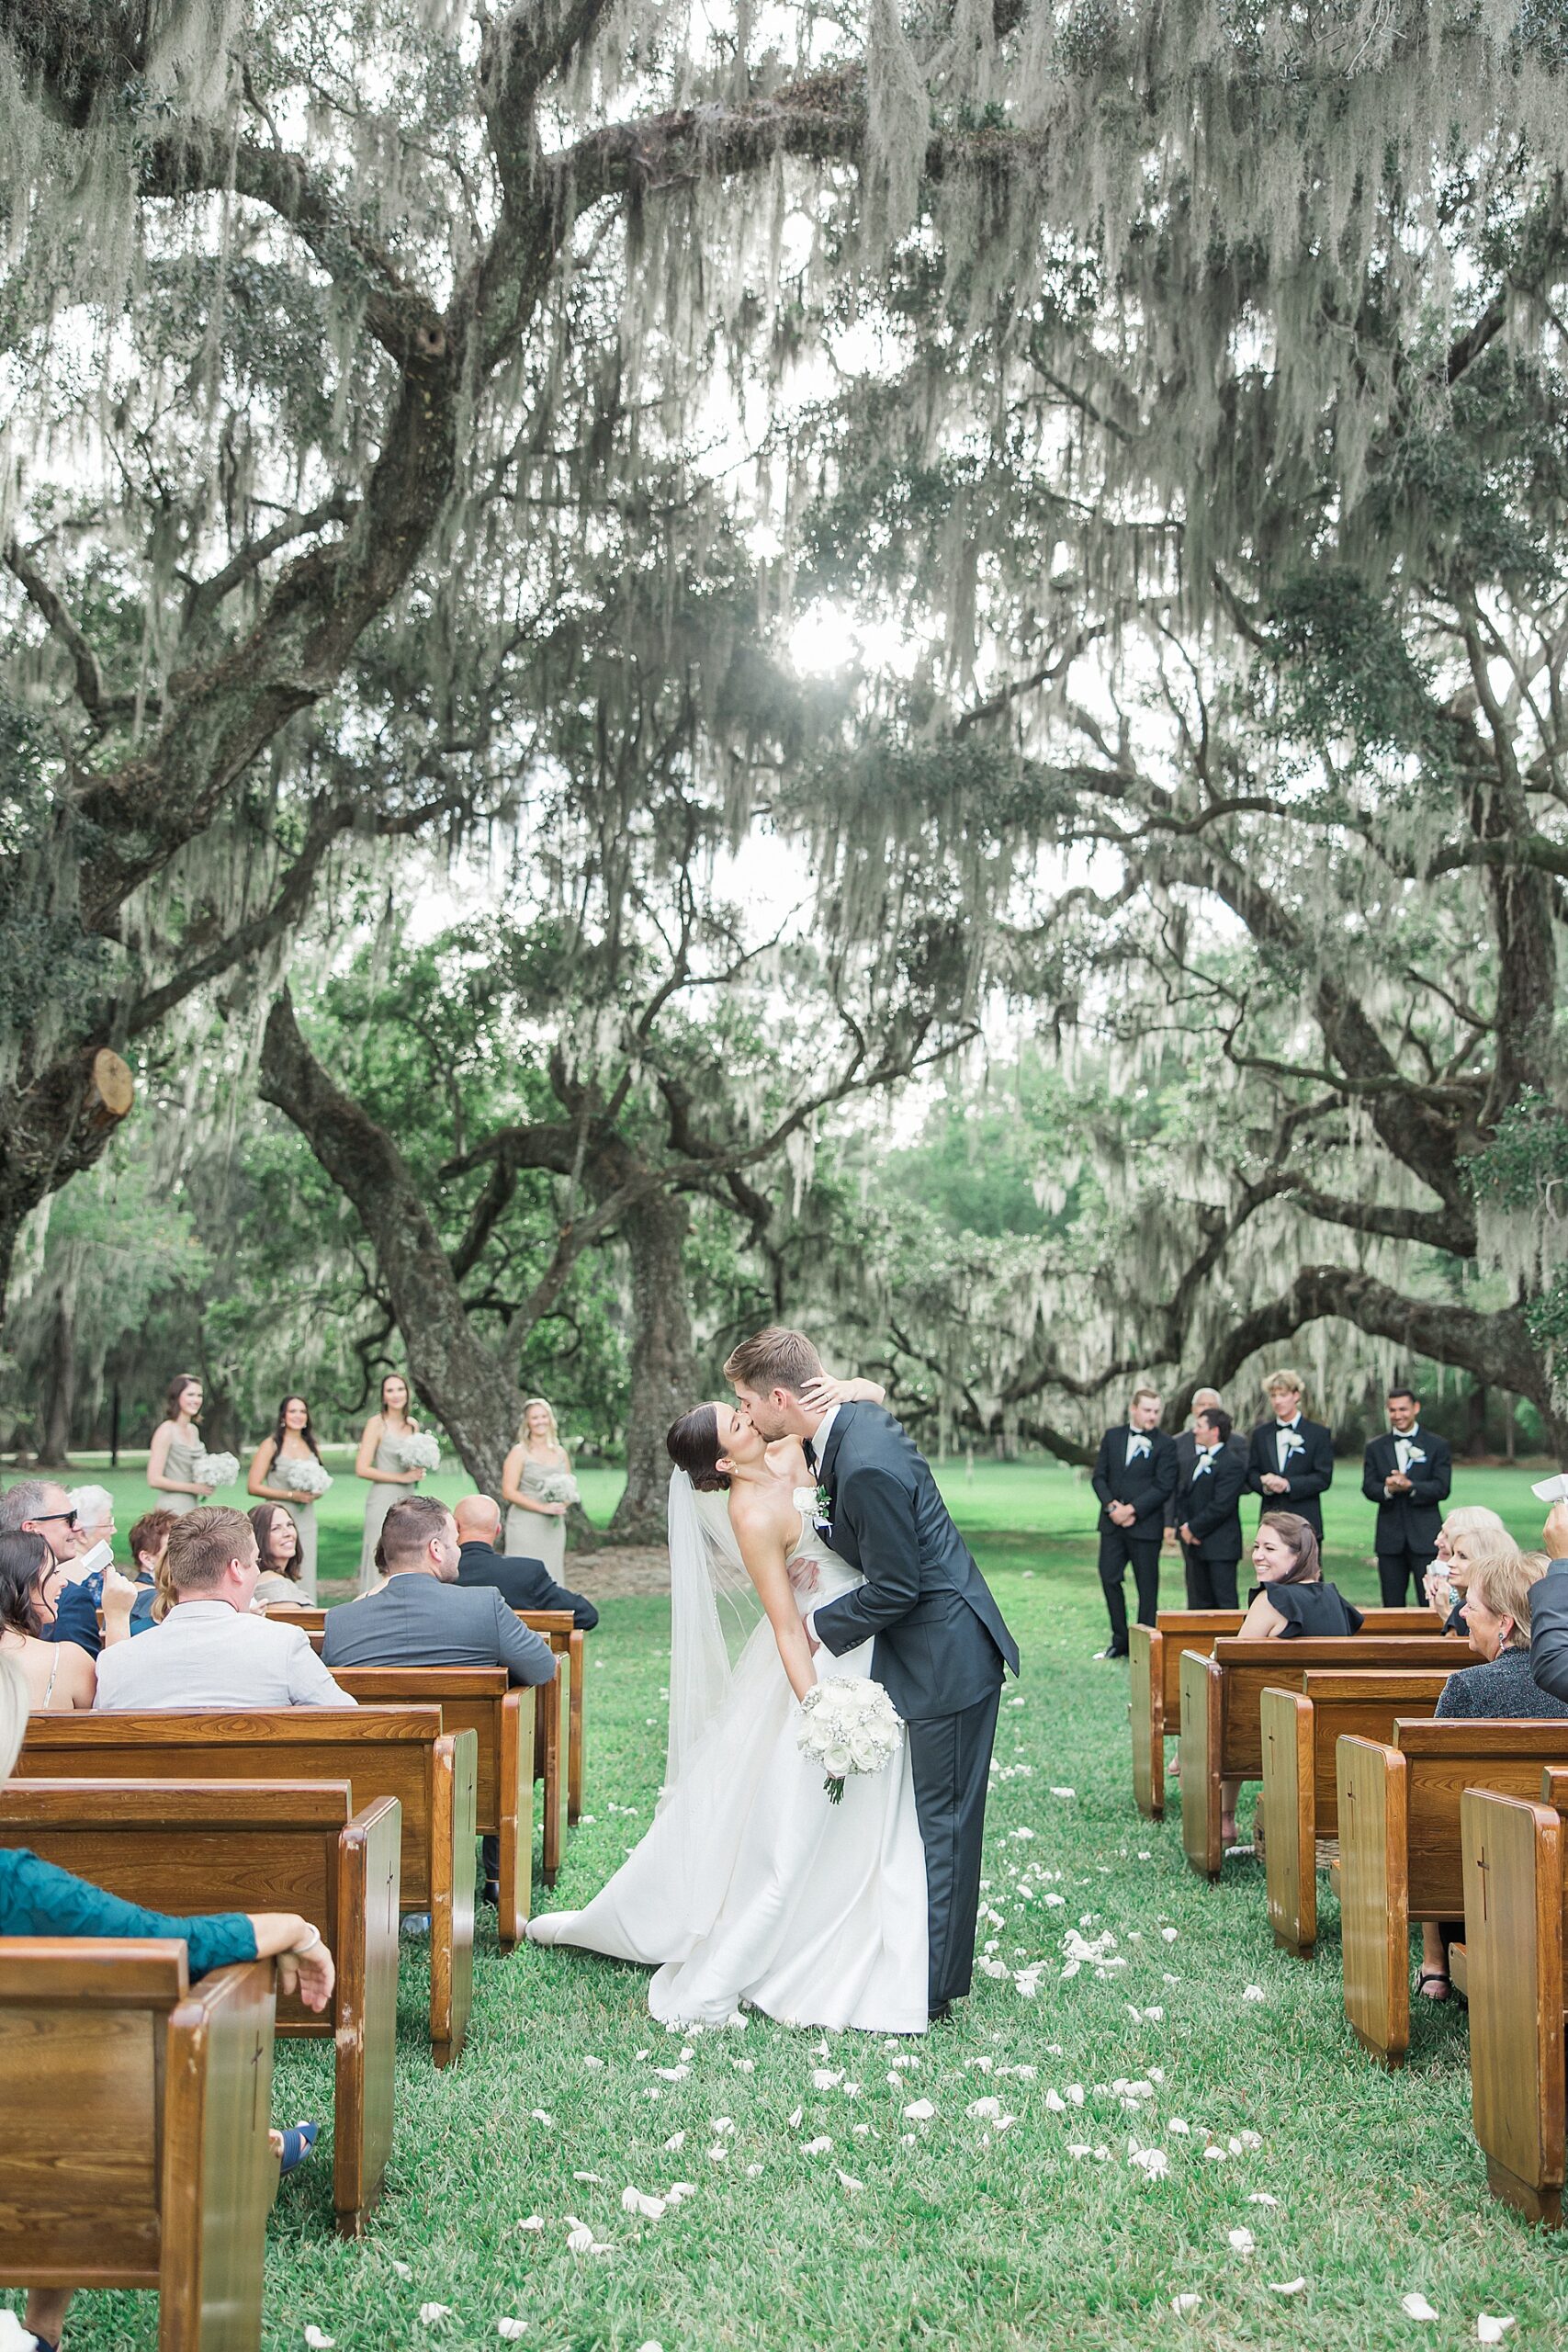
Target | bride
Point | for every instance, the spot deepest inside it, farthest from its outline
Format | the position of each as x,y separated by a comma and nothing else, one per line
750,1888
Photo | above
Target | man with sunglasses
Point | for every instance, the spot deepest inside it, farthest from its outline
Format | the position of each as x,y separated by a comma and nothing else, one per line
39,1507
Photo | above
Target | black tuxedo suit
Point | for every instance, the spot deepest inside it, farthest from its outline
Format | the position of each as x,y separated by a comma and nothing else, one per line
1309,1469
1147,1481
1186,1462
1210,1505
941,1651
522,1583
1407,1524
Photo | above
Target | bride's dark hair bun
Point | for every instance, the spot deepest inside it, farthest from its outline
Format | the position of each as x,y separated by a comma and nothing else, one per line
692,1443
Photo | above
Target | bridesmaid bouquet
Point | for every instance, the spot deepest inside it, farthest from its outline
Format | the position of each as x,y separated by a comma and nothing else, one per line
848,1726
307,1478
215,1470
556,1487
417,1451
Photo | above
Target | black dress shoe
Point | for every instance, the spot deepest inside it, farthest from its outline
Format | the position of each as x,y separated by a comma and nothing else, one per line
1110,1650
938,2016
491,1893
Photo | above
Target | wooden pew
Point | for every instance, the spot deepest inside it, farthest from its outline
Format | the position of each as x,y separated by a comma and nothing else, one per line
558,1721
398,1752
137,2108
1400,1852
1515,1903
188,1846
476,1699
1222,1737
1156,1679
1300,1730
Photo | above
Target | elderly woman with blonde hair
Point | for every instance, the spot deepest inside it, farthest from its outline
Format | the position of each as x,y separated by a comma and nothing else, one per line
538,1488
39,1899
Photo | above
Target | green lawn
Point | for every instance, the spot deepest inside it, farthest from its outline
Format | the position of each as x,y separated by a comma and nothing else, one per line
959,2234
998,1498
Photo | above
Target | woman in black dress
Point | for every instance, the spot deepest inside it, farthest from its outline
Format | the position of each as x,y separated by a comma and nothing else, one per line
1289,1602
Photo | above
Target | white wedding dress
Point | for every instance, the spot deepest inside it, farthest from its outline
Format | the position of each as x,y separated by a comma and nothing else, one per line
751,1889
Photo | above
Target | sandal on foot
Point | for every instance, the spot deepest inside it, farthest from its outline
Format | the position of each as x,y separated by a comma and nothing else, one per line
296,2146
1433,1976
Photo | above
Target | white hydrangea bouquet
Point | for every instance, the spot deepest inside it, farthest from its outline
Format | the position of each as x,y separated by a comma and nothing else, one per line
415,1451
215,1470
305,1477
848,1724
556,1487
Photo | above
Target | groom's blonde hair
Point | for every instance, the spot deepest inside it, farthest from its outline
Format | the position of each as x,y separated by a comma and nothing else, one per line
776,1357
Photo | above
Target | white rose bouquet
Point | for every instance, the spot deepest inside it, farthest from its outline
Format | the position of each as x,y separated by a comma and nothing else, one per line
417,1451
215,1470
558,1487
848,1726
306,1478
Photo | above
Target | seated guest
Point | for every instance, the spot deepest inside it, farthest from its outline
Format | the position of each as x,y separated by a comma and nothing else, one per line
1209,1518
93,1506
1291,1460
58,1675
210,1651
1549,1608
421,1616
1468,1517
277,1554
149,1541
1290,1602
1469,1549
1407,1473
39,1899
40,1506
1497,1618
522,1583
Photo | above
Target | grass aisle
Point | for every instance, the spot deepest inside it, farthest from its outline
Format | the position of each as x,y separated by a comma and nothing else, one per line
959,2232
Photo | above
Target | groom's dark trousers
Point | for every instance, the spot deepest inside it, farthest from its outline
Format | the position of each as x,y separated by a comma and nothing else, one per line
941,1650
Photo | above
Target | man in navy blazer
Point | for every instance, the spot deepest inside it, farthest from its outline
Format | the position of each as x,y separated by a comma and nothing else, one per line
1208,1512
1407,1473
1290,1461
1133,1475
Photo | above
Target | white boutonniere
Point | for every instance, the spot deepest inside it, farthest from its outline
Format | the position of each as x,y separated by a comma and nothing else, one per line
1414,1454
1294,1443
814,1502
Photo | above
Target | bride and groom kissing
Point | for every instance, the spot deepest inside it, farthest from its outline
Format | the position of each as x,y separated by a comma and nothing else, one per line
751,1890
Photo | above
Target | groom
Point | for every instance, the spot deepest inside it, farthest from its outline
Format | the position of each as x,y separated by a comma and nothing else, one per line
940,1642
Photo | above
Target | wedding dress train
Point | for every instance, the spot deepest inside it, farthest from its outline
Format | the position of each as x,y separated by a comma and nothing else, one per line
750,1888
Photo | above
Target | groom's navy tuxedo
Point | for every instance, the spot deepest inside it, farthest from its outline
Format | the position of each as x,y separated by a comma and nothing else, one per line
941,1650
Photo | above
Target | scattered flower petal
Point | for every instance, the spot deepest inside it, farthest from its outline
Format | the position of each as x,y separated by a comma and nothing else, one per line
1417,2307
1241,2241
1183,2304
510,2329
1253,1993
1491,2331
633,2200
920,2110
432,2314
817,2148
1286,2286
318,2342
848,2180
534,2222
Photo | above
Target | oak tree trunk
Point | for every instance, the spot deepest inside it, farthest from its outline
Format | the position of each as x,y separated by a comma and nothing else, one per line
664,1362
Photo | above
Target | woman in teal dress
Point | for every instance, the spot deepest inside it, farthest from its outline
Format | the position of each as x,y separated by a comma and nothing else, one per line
39,1899
177,1447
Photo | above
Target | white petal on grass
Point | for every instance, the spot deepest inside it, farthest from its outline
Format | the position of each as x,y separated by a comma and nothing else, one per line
1253,1993
593,2179
796,2113
1286,2286
510,2329
1183,2304
578,2237
825,2078
534,2222
1492,2331
984,2111
432,2314
1417,2307
1152,2161
1181,2128
1241,2241
318,2342
634,2201
847,2180
920,2110
1062,1792
721,2124
405,2270
817,2148
678,2191
675,2143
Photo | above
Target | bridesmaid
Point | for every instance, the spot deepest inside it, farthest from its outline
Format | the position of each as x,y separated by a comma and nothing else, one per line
176,1442
279,1553
536,1527
373,1463
292,1439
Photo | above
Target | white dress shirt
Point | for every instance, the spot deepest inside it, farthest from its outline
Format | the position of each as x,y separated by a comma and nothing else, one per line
1139,1443
206,1655
1284,1431
1407,1443
1207,1456
819,1438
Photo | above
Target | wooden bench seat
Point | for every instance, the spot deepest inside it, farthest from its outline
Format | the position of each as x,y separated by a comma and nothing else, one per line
1401,1857
1516,1905
399,1752
1300,1731
558,1721
476,1699
193,1846
136,2114
1221,1735
1155,1673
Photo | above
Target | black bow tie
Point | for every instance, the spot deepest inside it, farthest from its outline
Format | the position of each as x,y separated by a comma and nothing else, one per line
809,1447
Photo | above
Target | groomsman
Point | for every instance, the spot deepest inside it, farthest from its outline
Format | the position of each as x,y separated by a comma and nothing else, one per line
1292,1459
1407,1474
1186,1459
1135,1474
1209,1512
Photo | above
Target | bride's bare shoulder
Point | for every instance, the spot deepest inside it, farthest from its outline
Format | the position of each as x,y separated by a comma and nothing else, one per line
754,1505
784,1454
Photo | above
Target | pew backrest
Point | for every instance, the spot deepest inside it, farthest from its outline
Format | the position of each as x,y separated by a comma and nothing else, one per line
1443,1760
1244,1673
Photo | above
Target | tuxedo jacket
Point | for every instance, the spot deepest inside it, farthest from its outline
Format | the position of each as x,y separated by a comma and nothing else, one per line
1549,1630
1409,1522
1187,1462
1309,1470
941,1641
1148,1483
1211,1505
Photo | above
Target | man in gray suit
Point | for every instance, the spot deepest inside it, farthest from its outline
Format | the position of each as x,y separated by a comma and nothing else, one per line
210,1651
422,1616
